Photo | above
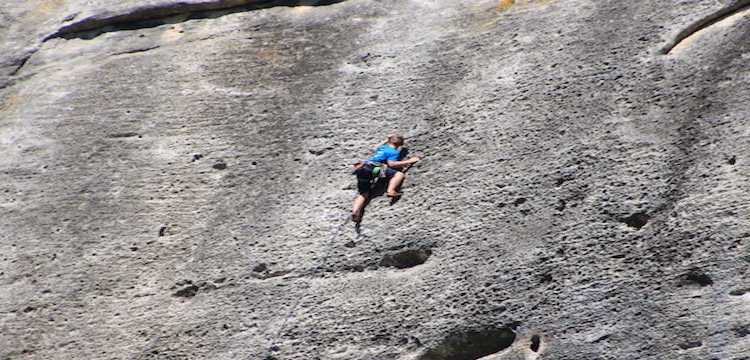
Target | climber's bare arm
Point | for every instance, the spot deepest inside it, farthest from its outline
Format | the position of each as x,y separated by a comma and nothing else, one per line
380,143
413,160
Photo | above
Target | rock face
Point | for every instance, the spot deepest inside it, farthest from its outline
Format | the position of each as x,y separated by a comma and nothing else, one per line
175,178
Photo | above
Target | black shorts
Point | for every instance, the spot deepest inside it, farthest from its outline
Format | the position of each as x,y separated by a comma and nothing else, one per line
365,177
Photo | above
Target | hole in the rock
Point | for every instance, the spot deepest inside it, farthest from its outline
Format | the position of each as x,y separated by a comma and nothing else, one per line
123,134
741,331
260,267
535,342
407,258
355,268
563,179
690,345
187,292
545,278
637,220
732,160
601,338
696,277
471,345
519,201
739,292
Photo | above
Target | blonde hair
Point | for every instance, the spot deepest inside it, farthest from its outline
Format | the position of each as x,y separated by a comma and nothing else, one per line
396,140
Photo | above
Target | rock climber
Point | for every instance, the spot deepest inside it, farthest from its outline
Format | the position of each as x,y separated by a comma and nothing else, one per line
386,163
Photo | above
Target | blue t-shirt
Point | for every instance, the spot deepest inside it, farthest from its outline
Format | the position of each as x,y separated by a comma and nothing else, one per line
384,153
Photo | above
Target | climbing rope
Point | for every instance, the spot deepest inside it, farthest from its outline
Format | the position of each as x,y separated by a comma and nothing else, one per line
293,309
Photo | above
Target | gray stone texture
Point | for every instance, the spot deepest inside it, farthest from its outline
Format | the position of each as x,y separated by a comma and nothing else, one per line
175,179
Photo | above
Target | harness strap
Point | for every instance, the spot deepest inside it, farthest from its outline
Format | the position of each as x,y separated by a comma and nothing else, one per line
375,169
378,169
383,171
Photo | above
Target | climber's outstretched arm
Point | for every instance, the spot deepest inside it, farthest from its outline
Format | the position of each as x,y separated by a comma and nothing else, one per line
403,163
381,143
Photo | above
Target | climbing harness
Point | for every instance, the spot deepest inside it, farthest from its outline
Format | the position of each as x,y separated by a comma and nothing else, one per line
368,174
370,169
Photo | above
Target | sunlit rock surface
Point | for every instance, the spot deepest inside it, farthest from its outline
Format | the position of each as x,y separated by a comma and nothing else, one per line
175,179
